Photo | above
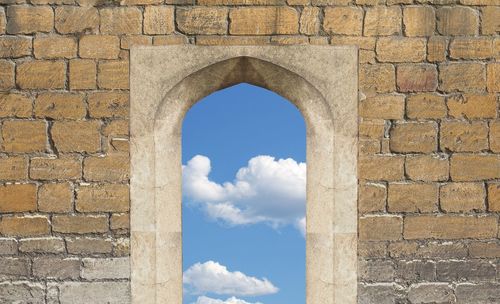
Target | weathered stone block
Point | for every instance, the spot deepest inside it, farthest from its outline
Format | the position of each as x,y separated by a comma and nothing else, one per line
24,226
457,21
383,21
412,197
108,104
13,168
42,245
472,167
56,268
159,20
426,106
24,136
50,47
99,198
416,77
87,246
383,107
80,224
121,20
462,76
98,269
449,227
378,228
460,136
74,19
60,106
343,20
462,197
99,47
419,21
264,21
369,168
29,19
82,74
55,168
17,198
414,137
472,106
55,197
87,134
427,168
41,74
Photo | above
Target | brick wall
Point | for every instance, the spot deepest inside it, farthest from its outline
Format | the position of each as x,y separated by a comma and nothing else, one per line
429,137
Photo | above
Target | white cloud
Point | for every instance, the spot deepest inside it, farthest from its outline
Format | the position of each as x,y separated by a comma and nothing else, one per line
267,190
231,300
212,277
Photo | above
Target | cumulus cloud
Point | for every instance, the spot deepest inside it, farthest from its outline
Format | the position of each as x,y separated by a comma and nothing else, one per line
231,300
212,277
267,190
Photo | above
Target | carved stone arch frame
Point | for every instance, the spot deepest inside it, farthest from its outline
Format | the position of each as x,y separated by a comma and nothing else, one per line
320,80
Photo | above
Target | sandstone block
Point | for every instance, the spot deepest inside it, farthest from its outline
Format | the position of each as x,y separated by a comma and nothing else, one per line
436,48
412,197
472,270
14,267
490,24
426,106
343,20
462,76
120,222
108,104
263,21
87,134
41,74
113,75
495,136
472,106
493,74
484,250
416,77
377,228
80,224
396,49
24,19
98,269
13,168
416,270
15,46
460,136
427,168
55,198
15,105
121,20
377,78
27,292
74,19
494,197
95,292
376,271
7,68
472,48
372,197
42,245
431,293
60,106
55,168
56,268
462,197
24,226
99,47
17,198
159,20
87,246
202,20
414,137
383,107
82,74
419,21
449,227
50,47
24,136
457,21
474,167
484,292
369,168
103,198
8,246
309,21
382,21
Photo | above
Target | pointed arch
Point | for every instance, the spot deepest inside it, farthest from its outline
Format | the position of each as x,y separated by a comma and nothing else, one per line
167,81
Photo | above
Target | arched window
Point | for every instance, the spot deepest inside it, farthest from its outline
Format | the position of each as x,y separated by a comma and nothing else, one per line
320,81
244,196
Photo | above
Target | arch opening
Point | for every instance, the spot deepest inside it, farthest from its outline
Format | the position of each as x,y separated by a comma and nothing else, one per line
162,91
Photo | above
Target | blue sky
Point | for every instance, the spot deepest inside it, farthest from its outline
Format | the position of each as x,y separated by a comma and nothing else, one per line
244,199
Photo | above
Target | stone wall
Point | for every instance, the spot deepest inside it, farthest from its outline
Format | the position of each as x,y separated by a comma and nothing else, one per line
429,137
